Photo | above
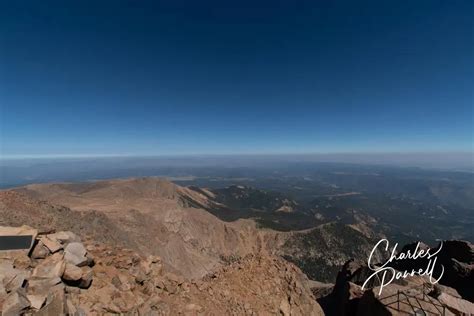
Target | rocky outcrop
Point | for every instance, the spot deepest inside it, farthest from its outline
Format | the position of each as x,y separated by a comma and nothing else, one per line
247,286
36,280
458,258
90,278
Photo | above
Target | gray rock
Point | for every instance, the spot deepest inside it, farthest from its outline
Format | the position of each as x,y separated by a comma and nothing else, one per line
76,254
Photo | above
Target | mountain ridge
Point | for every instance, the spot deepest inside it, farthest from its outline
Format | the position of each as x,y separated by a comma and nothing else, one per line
157,217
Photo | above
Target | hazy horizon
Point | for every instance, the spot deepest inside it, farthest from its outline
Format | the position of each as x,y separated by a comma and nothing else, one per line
436,160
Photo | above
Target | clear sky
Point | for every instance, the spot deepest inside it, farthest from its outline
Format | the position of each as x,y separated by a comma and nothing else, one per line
185,77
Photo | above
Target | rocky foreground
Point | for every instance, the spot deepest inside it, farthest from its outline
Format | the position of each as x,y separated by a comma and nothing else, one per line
63,275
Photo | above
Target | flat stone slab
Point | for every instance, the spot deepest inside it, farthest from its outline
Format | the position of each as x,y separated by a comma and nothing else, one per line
17,238
15,242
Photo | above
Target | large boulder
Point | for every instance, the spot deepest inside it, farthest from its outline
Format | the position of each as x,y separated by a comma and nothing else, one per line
51,267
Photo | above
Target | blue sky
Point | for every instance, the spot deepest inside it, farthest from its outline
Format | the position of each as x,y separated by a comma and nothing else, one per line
218,77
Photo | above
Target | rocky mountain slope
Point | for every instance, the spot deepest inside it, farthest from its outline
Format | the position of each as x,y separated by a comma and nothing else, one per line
152,215
62,275
157,217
